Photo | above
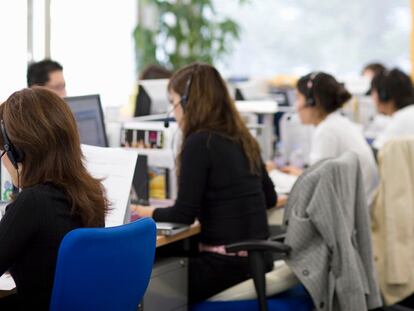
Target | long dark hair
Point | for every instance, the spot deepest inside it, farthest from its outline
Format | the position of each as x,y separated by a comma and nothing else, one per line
210,108
41,124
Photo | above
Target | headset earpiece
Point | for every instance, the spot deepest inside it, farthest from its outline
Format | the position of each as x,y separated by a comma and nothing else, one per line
310,98
184,98
383,94
13,153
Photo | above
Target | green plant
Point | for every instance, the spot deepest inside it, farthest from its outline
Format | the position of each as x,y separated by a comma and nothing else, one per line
185,31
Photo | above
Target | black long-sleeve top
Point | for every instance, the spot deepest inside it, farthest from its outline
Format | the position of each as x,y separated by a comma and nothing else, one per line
30,235
217,187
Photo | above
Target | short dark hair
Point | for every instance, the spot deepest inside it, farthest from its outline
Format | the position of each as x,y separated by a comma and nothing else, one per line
38,72
328,93
394,85
377,68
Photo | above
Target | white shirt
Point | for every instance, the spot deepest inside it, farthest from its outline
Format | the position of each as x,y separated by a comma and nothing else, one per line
336,135
401,124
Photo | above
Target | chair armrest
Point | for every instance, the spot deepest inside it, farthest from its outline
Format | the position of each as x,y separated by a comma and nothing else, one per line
256,254
258,245
278,238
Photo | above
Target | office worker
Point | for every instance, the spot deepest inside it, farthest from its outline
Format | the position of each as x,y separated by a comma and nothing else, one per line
41,151
372,69
319,99
221,180
393,94
47,73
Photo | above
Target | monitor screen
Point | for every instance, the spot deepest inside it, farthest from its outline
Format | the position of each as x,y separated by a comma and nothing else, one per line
155,100
140,181
89,117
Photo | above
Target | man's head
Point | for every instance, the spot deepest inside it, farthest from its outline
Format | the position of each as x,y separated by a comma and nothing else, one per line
391,91
49,74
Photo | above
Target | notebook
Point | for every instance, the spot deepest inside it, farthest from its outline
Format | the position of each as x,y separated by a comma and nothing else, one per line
170,228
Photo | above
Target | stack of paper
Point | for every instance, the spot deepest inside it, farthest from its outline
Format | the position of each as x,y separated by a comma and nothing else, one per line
116,167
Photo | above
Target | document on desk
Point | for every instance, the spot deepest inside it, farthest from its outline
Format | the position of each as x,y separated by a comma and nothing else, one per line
116,167
283,182
7,282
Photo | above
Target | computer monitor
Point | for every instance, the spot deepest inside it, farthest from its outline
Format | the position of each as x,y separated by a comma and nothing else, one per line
152,97
89,118
140,181
142,103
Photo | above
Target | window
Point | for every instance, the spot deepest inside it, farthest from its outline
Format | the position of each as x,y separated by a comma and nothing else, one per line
13,52
93,42
299,36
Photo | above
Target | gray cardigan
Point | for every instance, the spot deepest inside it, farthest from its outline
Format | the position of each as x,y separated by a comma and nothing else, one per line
329,232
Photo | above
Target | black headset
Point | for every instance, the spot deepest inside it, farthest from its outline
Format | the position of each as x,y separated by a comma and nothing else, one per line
382,91
183,99
14,154
310,98
186,94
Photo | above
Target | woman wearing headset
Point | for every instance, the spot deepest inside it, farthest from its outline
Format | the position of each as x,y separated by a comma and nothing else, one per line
222,180
42,153
319,99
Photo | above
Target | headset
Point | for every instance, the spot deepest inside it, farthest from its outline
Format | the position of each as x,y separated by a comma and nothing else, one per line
382,91
310,99
186,94
183,99
14,154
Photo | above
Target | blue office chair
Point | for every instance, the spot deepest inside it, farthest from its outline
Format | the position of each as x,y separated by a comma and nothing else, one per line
105,269
296,299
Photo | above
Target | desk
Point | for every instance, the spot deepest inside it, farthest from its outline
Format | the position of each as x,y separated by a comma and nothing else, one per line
164,240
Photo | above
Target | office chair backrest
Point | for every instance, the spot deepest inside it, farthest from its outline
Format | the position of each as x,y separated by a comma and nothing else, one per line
104,268
392,218
328,229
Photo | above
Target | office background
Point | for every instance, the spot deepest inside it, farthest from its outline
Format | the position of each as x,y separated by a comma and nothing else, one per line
93,39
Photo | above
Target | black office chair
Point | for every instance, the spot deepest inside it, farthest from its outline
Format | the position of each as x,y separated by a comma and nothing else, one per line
296,299
256,250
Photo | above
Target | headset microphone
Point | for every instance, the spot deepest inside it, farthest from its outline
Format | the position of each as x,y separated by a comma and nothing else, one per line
167,119
183,99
